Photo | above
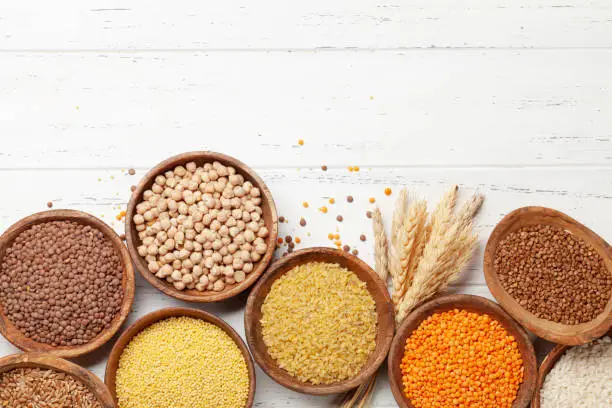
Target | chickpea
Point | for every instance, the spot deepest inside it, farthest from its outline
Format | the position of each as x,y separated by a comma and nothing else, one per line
247,186
261,248
180,171
166,270
190,234
215,225
152,249
217,257
179,285
249,235
218,286
255,256
237,263
227,259
172,204
188,245
138,219
255,192
187,278
187,264
200,287
236,203
234,179
176,275
197,247
197,271
257,201
216,270
179,237
239,276
247,268
263,232
224,231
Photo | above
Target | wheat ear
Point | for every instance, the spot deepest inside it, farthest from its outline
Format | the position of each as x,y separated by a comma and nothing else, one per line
470,209
381,262
411,239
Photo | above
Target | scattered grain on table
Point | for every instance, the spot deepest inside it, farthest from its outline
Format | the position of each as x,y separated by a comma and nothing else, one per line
323,209
333,346
324,168
305,204
339,218
332,200
362,237
182,362
302,222
388,191
349,199
131,172
372,200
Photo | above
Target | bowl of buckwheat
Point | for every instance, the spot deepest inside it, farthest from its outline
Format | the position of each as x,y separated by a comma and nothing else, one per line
201,226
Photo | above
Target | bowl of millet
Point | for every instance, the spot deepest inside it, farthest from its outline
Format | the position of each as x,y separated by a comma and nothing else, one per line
201,226
552,274
66,283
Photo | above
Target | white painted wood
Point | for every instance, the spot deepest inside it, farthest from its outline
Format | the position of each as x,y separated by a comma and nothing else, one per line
510,98
275,24
414,108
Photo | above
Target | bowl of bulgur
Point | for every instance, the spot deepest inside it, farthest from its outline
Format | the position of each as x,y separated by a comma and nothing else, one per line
180,358
320,321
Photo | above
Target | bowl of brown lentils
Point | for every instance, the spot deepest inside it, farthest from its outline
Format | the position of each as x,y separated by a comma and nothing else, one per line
552,274
66,283
201,226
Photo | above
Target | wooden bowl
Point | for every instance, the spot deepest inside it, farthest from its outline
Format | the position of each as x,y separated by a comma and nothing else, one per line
547,364
46,361
113,360
472,304
14,335
377,289
269,216
549,330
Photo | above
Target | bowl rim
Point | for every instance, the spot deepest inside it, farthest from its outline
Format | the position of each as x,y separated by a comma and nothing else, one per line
151,318
466,302
132,239
276,270
14,335
547,329
48,361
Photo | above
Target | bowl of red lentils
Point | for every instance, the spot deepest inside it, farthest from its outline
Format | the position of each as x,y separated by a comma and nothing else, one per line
552,274
461,351
66,283
201,226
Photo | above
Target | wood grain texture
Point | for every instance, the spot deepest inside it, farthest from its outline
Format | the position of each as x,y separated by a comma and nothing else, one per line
377,288
158,315
268,214
472,304
50,362
16,337
431,108
269,24
552,331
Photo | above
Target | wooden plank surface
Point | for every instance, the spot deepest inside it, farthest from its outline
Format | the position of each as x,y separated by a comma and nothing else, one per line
509,98
416,108
274,24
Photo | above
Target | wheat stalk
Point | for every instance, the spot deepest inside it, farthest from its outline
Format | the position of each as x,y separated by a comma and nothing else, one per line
381,262
394,250
444,257
411,239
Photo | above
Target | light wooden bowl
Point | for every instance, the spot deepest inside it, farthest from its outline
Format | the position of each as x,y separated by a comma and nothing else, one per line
547,364
113,360
14,335
472,304
269,216
549,330
377,289
46,361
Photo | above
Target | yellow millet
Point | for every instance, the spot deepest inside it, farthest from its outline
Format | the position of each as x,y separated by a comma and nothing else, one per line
319,323
182,362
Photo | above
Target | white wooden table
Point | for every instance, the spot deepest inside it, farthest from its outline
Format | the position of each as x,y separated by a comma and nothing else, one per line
510,98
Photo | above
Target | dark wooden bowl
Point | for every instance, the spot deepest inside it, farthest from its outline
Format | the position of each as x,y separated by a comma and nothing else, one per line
269,216
12,333
151,318
46,361
549,330
472,304
547,364
377,289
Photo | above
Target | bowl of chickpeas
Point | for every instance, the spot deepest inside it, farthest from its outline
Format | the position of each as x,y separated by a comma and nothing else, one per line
201,226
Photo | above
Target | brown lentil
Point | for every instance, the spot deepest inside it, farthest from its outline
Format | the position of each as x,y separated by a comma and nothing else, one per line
341,329
41,388
302,222
131,172
553,274
346,248
281,219
49,204
339,218
349,199
355,252
182,362
369,214
324,168
362,237
60,283
288,238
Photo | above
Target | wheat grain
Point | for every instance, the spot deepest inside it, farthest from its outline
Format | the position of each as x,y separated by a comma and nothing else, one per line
381,262
443,214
